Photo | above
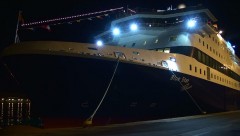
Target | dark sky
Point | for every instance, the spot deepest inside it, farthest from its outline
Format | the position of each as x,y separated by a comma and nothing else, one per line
227,13
35,10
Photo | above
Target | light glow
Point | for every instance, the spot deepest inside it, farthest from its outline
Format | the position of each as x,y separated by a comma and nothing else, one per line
191,23
133,27
172,65
99,43
116,31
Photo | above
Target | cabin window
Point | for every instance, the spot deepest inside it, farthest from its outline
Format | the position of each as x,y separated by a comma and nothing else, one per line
203,58
207,60
200,71
204,72
190,67
199,55
172,38
203,43
167,50
195,69
160,50
211,75
136,53
207,46
199,40
133,44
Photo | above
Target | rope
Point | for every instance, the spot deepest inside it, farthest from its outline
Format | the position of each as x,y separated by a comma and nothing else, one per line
9,71
89,120
193,100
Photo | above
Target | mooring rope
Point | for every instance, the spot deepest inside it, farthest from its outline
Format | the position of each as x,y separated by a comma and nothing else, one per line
89,120
193,100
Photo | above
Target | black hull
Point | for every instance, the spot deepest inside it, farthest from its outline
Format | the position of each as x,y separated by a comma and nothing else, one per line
70,88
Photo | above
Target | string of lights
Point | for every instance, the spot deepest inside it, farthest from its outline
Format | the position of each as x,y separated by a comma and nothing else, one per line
68,17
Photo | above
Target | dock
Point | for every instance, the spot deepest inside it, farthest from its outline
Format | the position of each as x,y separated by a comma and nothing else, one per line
217,124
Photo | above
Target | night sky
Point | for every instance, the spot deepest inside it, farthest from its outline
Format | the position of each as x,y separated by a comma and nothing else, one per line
35,10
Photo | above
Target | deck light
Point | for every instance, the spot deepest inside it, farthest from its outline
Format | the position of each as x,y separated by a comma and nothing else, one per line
133,27
99,43
191,23
116,31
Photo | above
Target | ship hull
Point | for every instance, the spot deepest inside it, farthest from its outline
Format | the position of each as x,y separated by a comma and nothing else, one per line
66,90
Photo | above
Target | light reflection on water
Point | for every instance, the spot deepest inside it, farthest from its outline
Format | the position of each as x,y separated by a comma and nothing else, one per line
14,111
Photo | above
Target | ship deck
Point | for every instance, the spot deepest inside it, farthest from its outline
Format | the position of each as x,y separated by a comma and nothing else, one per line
218,124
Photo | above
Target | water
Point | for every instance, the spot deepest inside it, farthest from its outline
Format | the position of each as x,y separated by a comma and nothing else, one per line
14,111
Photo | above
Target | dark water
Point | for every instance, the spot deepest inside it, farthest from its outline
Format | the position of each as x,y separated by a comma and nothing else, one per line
14,111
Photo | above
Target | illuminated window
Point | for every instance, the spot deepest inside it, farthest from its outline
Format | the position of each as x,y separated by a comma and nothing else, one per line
167,50
160,50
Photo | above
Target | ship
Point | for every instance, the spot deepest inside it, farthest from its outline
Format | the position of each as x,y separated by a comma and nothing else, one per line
148,65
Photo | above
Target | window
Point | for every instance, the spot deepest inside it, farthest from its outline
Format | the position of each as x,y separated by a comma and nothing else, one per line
160,50
207,46
133,44
204,72
167,50
173,38
195,69
190,67
203,43
200,71
199,40
210,48
136,53
199,55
